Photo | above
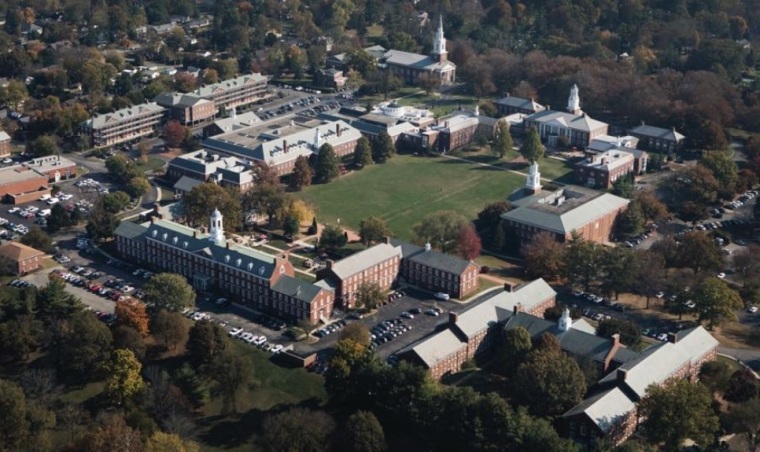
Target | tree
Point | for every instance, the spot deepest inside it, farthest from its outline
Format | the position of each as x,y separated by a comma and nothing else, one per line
716,301
170,326
198,204
630,333
502,143
441,230
268,198
58,219
372,230
468,243
532,149
715,375
115,202
723,168
14,93
302,174
356,332
124,380
582,262
291,226
362,153
83,347
699,252
38,239
649,273
516,346
489,221
747,261
174,133
231,372
44,146
127,338
19,337
169,291
113,435
742,386
298,429
362,432
678,411
101,223
332,238
744,419
205,343
14,426
549,382
133,314
383,148
166,442
616,275
652,208
328,165
368,295
137,187
623,187
120,169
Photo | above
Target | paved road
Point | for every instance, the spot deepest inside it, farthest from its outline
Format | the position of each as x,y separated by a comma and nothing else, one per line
749,357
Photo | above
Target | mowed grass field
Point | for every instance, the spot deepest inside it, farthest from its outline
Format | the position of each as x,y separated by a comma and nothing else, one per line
408,188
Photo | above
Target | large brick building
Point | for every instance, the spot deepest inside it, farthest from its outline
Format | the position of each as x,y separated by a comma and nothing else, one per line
602,170
435,271
204,166
658,139
54,167
570,209
20,259
190,110
510,105
20,184
127,124
236,92
378,264
209,262
475,332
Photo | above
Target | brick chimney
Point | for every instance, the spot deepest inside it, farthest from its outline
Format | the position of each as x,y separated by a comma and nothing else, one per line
195,234
621,374
337,129
453,317
509,287
672,338
227,245
613,351
330,263
285,146
517,308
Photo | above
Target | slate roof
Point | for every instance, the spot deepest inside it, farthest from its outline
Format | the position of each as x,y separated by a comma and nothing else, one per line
519,102
657,132
125,114
433,259
580,207
296,288
415,60
186,183
437,347
582,123
130,230
174,99
18,252
605,409
363,260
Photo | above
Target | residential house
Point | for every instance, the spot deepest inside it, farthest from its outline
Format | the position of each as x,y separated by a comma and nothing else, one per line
20,259
330,78
658,139
210,262
127,124
432,270
378,264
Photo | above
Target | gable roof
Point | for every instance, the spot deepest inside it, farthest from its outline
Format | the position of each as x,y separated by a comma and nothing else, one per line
657,132
364,259
129,230
605,409
18,252
433,259
225,85
437,347
174,99
583,123
296,288
125,114
4,136
521,103
186,183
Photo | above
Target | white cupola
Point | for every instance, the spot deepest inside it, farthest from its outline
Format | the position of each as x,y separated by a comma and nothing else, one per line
533,181
216,227
574,101
565,322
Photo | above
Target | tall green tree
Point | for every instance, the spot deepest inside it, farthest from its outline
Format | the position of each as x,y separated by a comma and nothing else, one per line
120,169
169,291
206,342
14,426
699,252
678,411
582,262
716,301
268,198
332,237
20,336
44,146
724,169
328,165
298,429
383,148
101,223
744,420
649,273
531,148
362,153
58,219
37,239
630,333
368,295
84,347
489,222
362,432
231,373
441,230
517,343
372,230
169,326
198,204
302,174
502,142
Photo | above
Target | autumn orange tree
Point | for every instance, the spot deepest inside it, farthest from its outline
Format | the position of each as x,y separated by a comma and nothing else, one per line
133,314
469,242
174,133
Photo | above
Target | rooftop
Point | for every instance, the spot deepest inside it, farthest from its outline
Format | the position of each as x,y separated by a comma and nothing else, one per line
582,122
519,102
296,288
365,259
125,114
233,83
608,160
431,258
49,163
18,252
657,132
19,173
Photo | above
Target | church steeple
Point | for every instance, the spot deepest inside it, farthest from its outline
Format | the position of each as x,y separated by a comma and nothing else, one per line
574,101
439,43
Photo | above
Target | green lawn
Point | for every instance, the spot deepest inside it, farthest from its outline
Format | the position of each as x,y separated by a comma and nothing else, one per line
557,170
152,164
408,188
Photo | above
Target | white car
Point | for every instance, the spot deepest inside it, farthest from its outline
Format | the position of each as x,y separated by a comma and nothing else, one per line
442,296
235,332
52,201
260,340
44,197
721,275
32,209
252,339
14,209
752,309
276,348
660,294
65,197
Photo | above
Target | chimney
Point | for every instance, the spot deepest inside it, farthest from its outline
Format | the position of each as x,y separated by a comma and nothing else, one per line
387,240
642,123
508,287
548,107
517,308
621,374
152,219
507,94
195,234
672,338
446,125
330,263
453,317
615,340
427,246
227,245
613,351
285,146
155,208
337,129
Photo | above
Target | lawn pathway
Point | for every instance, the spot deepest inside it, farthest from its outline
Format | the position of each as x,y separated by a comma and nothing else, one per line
453,157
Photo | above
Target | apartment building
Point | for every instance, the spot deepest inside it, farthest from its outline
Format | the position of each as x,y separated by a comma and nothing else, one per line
190,110
424,267
21,259
378,264
235,92
124,125
210,262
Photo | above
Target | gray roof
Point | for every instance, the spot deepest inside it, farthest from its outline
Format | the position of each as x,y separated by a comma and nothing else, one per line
363,260
125,114
605,409
519,102
174,99
438,347
130,230
186,183
432,258
579,207
582,123
296,288
4,136
236,122
215,88
657,132
415,60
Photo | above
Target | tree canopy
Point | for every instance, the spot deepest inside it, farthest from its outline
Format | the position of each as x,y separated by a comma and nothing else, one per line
169,291
198,204
372,230
531,148
328,165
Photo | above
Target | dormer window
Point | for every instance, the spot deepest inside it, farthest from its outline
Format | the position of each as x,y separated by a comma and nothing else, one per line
175,240
227,259
164,236
154,233
250,266
184,244
238,262
261,270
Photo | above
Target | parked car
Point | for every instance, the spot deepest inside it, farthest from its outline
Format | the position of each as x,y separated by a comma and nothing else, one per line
442,296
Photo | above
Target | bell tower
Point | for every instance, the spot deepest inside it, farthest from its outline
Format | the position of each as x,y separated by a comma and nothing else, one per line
574,101
216,228
565,322
439,44
533,181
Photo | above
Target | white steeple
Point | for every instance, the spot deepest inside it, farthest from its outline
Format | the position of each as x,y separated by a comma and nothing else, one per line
533,181
216,228
574,101
316,139
565,322
439,43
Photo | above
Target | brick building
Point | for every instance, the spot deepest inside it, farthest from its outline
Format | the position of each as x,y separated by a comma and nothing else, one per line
20,259
203,166
190,110
127,124
510,105
658,139
5,144
435,271
54,167
20,184
475,332
209,262
378,264
602,170
568,210
236,92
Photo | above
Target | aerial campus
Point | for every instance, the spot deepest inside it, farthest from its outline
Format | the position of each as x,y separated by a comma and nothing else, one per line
409,241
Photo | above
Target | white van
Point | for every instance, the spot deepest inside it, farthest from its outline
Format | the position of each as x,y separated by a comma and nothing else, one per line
43,213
